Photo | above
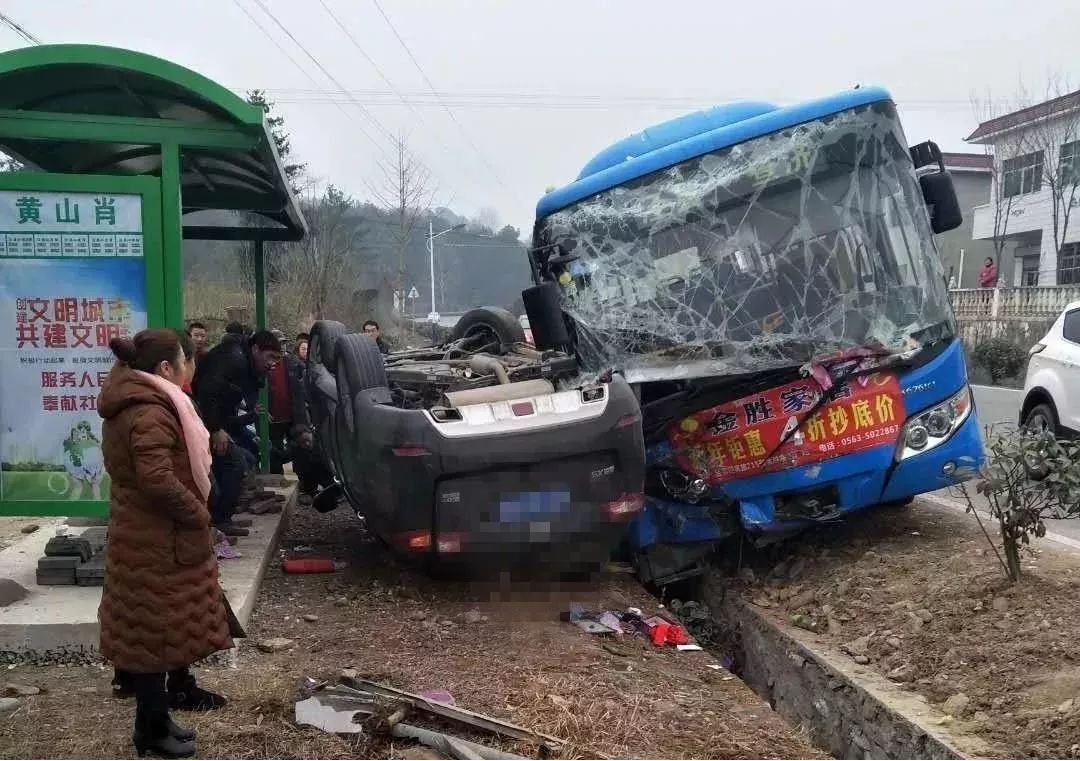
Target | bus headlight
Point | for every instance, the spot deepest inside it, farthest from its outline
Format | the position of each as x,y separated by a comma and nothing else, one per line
934,426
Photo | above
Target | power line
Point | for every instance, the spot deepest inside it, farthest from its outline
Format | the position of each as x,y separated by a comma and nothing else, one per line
382,75
19,30
323,69
431,86
280,47
644,98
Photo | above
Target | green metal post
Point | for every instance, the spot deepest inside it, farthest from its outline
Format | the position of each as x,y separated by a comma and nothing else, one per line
260,324
171,235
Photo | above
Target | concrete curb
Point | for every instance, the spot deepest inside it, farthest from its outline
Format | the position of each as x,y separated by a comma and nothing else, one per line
847,710
243,593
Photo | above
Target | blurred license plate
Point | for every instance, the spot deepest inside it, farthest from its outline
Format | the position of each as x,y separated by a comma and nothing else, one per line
529,506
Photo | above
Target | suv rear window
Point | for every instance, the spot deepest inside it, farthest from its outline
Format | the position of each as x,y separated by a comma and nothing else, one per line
1071,327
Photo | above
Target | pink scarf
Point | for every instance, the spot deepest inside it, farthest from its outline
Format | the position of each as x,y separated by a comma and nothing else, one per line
196,437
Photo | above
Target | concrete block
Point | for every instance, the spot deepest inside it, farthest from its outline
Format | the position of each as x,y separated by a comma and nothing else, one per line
58,564
55,578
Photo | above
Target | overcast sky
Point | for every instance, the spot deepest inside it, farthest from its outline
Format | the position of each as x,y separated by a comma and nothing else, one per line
534,89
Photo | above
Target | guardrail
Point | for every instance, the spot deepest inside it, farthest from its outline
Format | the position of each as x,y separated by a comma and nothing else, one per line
1028,303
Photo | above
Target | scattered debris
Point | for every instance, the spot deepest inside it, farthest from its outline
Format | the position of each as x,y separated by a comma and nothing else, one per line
1000,604
688,648
224,551
321,713
611,621
809,623
311,618
7,705
13,690
448,745
593,627
474,617
460,715
957,705
858,647
30,529
904,673
439,696
309,565
275,644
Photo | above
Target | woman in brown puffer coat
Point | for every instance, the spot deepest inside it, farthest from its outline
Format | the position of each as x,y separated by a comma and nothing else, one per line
162,608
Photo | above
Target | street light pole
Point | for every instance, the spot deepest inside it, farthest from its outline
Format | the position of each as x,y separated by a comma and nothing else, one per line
433,316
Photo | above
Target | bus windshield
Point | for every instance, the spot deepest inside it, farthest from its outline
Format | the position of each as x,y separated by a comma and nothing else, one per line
766,254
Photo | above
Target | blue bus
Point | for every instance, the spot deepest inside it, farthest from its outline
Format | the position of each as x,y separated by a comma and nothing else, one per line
767,280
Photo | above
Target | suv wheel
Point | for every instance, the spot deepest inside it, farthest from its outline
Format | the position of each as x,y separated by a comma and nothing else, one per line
1041,419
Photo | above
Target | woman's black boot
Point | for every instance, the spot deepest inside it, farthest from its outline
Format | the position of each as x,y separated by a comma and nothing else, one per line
153,737
154,730
123,684
183,734
186,695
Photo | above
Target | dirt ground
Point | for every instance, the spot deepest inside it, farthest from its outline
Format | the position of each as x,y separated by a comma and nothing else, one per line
918,594
14,529
395,626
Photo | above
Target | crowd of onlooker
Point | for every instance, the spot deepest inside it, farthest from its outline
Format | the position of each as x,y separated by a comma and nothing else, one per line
226,389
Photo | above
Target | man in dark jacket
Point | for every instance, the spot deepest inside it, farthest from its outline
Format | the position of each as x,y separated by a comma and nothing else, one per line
372,329
226,388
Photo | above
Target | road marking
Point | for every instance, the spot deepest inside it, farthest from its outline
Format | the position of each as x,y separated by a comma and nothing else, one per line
961,507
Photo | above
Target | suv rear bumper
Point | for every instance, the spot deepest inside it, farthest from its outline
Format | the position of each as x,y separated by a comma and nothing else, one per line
555,494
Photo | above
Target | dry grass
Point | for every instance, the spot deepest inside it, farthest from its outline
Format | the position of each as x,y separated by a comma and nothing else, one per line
523,665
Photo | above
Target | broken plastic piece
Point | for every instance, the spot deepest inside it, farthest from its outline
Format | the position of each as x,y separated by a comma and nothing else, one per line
440,696
593,627
330,716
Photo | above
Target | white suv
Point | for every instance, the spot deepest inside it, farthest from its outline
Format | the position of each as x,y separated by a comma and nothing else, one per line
1052,386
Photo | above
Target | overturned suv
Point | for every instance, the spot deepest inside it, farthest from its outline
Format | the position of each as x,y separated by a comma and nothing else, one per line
483,450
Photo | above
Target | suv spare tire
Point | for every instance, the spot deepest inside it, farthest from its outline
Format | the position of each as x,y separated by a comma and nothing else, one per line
360,363
322,348
495,321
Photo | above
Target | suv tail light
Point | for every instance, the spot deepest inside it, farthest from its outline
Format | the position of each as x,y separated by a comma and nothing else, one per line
1036,349
420,541
628,504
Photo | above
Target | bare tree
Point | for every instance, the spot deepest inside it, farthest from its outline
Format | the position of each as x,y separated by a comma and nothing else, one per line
318,272
1001,204
1055,132
406,192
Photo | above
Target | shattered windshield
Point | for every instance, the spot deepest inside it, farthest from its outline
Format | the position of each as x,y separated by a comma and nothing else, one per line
766,254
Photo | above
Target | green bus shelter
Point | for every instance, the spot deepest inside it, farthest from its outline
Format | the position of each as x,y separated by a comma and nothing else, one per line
121,151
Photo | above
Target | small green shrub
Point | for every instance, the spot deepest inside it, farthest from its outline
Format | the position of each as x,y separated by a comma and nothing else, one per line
1000,357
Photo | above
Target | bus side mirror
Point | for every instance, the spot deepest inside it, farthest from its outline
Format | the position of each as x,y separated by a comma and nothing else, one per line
941,201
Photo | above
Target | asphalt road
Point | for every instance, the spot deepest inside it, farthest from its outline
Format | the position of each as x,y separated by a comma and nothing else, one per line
1002,405
997,405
